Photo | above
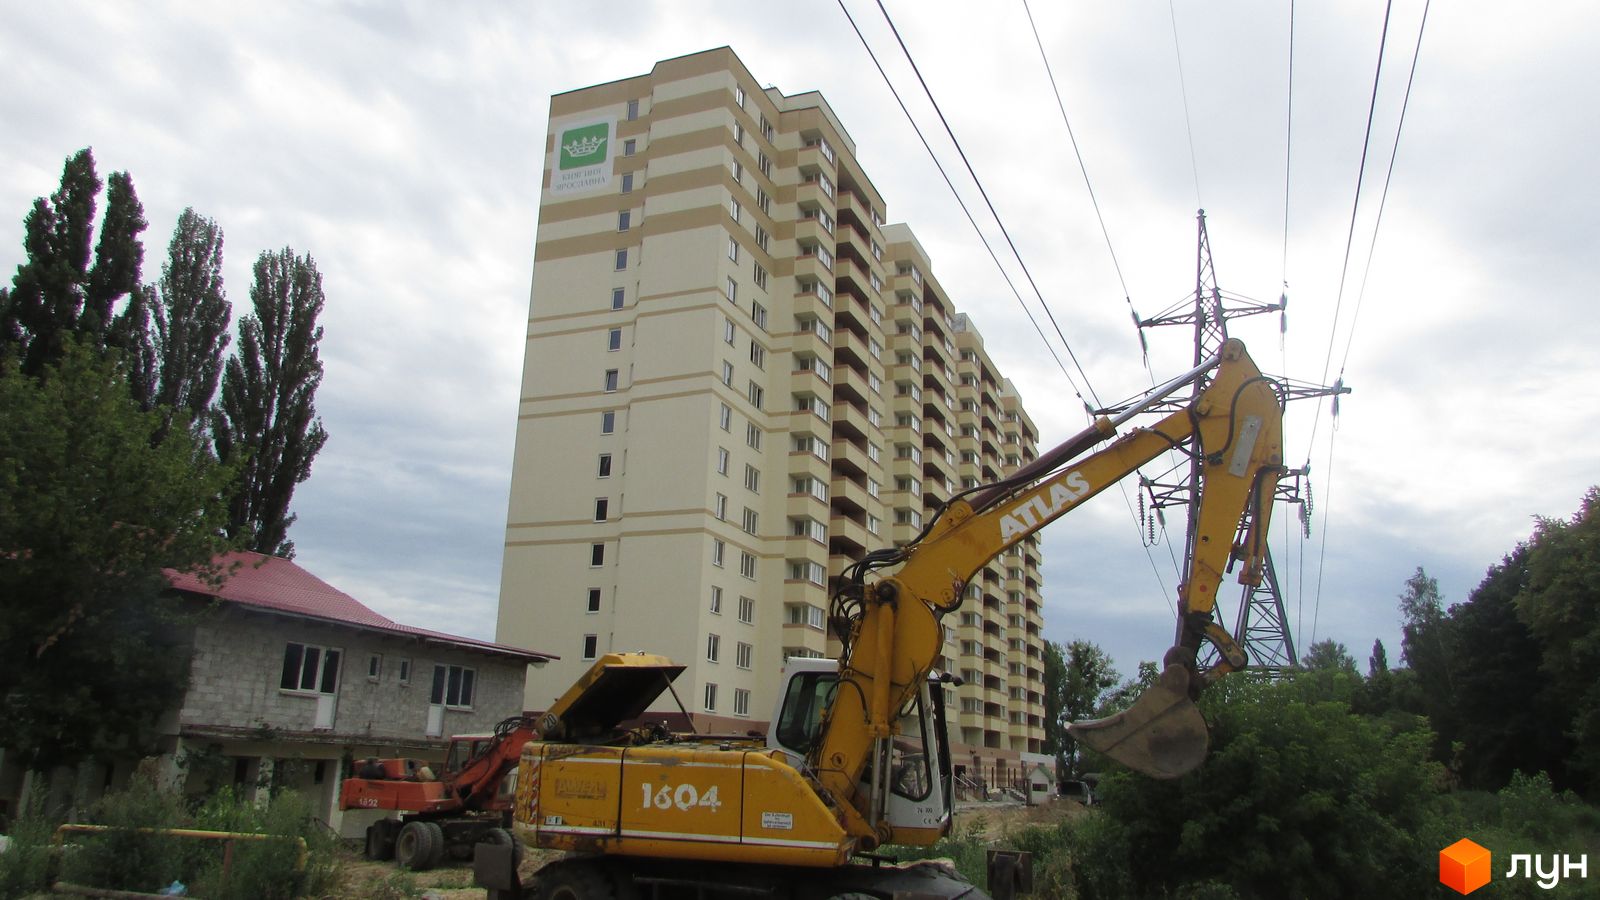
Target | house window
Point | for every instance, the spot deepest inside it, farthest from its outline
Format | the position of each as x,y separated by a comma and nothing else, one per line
711,697
733,209
752,478
741,702
720,507
627,182
752,521
622,259
629,147
624,219
747,610
718,551
594,601
722,460
375,667
605,465
597,555
611,380
747,564
763,201
404,673
616,298
738,96
760,275
600,506
633,110
725,417
757,394
727,331
713,648
758,313
761,237
716,600
307,667
591,645
758,355
733,291
727,373
452,686
741,655
608,422
614,339
752,435
733,249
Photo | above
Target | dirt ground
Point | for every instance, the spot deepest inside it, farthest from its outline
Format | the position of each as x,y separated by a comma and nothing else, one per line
361,879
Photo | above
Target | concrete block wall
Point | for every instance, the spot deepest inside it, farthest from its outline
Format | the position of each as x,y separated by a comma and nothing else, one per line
238,664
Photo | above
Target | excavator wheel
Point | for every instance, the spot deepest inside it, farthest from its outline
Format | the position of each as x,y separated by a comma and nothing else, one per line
503,838
576,880
419,846
381,840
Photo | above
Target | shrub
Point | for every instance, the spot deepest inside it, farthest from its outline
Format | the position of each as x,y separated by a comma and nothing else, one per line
128,858
25,864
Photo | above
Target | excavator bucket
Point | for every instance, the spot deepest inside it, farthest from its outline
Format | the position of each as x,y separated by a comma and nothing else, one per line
1162,734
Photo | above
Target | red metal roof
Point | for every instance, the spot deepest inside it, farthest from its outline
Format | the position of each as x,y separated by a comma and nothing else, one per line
279,585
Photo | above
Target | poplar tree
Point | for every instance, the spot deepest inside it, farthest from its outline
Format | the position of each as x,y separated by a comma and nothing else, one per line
266,422
191,318
47,292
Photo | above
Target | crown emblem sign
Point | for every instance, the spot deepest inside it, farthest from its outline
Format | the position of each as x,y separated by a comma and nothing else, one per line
584,146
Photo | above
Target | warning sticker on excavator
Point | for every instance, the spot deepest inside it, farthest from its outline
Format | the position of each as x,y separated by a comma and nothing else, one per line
777,820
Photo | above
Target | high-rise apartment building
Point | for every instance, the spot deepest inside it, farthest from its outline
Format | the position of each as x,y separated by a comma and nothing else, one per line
739,379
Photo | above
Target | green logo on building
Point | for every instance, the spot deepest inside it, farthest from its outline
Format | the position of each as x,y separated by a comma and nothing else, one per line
584,146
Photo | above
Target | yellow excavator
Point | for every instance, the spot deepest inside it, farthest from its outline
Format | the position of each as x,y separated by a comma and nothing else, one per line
856,755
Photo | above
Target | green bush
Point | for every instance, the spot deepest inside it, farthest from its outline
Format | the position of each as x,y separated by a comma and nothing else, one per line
25,865
266,869
129,858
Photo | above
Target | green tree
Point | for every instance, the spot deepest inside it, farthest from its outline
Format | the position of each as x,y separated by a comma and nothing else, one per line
267,421
1299,797
118,257
1560,603
1086,678
1055,734
1329,654
48,290
191,318
1378,662
92,512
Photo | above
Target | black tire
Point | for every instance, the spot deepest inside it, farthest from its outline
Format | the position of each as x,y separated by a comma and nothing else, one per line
418,846
503,838
437,852
573,881
380,841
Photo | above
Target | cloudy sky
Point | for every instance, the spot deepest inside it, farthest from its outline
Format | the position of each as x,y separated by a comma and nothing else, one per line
399,145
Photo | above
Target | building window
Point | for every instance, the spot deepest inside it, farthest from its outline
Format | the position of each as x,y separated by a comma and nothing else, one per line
627,182
758,314
751,522
716,600
713,648
752,435
733,209
633,110
374,666
622,259
452,686
309,668
593,601
600,505
722,460
719,507
764,163
725,417
738,96
752,478
761,237
616,298
728,331
741,702
629,147
624,219
591,646
733,249
747,610
757,394
763,201
747,564
404,673
741,655
727,373
605,465
758,355
733,290
611,381
718,550
711,697
614,339
608,422
760,277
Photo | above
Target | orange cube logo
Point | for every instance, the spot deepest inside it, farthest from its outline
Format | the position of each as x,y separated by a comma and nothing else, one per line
1464,866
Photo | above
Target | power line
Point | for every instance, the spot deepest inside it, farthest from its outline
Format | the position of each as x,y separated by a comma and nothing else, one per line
959,201
1288,146
992,211
1184,90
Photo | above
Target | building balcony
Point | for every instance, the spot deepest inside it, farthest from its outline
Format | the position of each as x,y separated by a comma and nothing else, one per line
850,459
851,498
850,422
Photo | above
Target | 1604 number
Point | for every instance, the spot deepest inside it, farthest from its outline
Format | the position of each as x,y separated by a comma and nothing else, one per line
684,797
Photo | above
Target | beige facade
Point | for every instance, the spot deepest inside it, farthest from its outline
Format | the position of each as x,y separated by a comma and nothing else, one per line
738,379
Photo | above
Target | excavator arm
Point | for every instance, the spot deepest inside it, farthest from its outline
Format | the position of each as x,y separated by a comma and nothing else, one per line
891,629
